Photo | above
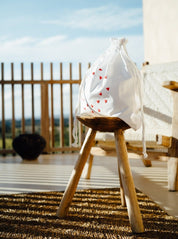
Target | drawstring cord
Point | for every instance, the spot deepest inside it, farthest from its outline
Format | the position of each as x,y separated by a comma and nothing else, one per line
145,155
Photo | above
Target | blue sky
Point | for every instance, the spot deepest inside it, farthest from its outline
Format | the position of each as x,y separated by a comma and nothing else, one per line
66,30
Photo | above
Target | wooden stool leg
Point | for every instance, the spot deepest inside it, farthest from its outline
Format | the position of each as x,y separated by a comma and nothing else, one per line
123,203
128,184
76,173
88,166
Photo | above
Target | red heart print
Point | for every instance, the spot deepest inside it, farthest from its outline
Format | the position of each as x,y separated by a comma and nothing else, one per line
98,101
106,101
101,77
107,88
105,77
93,73
92,111
100,93
84,108
100,69
99,110
91,106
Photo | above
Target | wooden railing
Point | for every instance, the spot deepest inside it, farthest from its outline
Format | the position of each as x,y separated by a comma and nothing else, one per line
47,127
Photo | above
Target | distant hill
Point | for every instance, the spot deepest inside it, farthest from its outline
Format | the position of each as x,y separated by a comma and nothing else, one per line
18,123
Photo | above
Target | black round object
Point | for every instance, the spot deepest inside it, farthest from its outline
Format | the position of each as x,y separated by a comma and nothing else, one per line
29,146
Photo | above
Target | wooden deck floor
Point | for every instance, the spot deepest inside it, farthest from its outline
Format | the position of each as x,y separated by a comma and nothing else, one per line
51,173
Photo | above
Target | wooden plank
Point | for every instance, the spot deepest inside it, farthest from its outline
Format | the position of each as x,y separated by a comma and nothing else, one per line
103,124
6,151
29,82
173,150
61,109
56,149
32,97
13,105
132,145
64,149
81,136
52,107
44,112
163,140
22,100
3,109
70,107
173,174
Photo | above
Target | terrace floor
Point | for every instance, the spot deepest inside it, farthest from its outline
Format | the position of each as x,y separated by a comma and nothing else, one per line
52,172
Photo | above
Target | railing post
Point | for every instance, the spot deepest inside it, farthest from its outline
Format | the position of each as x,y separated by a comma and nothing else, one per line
3,109
45,116
45,113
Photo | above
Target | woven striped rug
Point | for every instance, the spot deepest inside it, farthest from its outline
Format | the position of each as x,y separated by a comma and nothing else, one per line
93,214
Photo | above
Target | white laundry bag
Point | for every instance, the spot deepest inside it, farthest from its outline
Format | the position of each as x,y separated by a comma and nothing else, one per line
112,87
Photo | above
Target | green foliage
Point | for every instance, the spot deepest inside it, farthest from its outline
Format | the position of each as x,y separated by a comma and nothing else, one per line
8,143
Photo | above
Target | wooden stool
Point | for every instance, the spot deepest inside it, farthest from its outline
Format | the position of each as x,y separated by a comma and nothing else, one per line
128,194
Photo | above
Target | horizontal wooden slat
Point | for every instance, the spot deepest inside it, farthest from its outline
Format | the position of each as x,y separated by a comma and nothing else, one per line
56,149
65,149
39,82
131,143
163,140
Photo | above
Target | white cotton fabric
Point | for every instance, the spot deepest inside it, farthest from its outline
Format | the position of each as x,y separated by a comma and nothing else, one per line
112,87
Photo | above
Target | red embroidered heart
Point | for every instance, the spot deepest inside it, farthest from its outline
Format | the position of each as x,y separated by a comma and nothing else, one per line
92,111
93,73
99,110
101,77
106,101
91,106
98,101
100,69
107,88
105,77
100,93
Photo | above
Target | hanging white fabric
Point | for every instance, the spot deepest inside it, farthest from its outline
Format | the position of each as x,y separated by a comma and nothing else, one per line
112,87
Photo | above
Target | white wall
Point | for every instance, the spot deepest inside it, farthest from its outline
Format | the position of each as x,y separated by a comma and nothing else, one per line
160,22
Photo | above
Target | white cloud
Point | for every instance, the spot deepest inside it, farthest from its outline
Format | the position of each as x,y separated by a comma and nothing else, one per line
17,42
60,48
51,40
107,18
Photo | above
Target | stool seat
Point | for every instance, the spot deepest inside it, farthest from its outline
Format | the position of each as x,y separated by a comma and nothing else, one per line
127,188
103,124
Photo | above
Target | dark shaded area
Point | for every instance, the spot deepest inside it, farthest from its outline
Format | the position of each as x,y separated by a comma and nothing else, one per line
29,146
